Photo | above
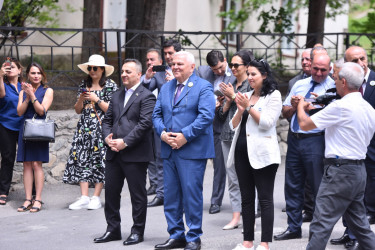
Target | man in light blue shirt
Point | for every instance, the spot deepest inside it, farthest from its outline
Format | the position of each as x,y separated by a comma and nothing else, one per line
304,158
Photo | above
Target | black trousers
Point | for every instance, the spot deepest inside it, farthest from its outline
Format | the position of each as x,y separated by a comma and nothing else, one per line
135,174
8,145
263,180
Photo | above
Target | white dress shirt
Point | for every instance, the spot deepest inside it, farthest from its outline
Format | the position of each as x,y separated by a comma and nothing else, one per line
129,92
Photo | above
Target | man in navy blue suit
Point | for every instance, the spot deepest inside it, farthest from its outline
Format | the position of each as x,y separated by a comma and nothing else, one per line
183,118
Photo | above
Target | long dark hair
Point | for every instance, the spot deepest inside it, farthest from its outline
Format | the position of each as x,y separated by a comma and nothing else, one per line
103,79
44,76
246,56
269,83
19,66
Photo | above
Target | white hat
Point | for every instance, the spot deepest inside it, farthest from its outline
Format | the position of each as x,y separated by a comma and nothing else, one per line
97,60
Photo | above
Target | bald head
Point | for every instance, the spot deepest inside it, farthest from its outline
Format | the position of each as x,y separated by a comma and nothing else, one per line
320,67
357,55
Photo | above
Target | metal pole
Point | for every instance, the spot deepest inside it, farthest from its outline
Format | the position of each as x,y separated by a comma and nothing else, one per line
119,56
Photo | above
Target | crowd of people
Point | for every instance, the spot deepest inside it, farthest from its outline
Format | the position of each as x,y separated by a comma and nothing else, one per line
169,121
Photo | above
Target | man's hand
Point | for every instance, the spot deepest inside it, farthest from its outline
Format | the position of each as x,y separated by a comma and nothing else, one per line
115,144
294,101
149,73
179,140
168,75
169,139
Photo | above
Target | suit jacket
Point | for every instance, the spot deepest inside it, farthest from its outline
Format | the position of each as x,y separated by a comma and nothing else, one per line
156,82
192,115
206,73
369,96
262,145
132,123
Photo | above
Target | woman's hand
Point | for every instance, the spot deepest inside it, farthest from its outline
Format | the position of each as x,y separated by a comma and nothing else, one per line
242,101
227,90
90,96
4,70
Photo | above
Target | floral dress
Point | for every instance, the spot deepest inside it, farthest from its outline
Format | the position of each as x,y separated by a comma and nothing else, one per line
86,157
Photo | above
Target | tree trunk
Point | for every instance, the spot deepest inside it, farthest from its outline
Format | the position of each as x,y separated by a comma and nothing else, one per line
134,15
91,41
154,17
315,26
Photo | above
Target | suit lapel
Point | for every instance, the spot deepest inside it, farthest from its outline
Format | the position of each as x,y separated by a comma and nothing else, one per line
120,103
369,87
185,91
132,98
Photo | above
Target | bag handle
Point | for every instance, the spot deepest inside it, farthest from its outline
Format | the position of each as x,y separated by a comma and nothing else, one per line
45,113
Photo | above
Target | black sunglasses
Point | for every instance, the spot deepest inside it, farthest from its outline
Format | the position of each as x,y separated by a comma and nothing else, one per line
89,68
235,65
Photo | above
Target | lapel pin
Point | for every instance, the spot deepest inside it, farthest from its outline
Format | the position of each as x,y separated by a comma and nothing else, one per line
190,84
136,94
228,74
372,83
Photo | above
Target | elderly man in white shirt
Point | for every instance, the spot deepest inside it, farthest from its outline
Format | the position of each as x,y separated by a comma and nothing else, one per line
349,125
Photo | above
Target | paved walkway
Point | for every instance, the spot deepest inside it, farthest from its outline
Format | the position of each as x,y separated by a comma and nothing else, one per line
56,227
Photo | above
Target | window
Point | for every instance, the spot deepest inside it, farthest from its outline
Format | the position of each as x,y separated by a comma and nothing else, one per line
227,6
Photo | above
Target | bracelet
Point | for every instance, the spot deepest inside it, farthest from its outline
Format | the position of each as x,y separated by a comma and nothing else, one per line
234,96
34,101
98,102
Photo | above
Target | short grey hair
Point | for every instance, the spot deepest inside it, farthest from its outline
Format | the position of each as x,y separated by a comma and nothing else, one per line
339,63
138,64
353,74
189,56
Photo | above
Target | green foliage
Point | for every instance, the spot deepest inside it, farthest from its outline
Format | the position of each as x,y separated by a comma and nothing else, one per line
366,24
274,20
184,40
42,13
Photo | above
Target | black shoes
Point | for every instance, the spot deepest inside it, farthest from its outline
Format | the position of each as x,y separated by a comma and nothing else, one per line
307,217
371,219
193,245
156,202
171,244
288,235
108,236
351,244
214,209
133,239
340,241
151,190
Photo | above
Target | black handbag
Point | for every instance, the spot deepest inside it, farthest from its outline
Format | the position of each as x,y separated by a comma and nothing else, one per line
42,130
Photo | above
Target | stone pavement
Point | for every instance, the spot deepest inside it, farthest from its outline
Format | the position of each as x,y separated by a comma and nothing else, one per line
56,227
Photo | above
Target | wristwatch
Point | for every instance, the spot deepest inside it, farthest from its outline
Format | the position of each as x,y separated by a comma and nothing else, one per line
98,102
249,107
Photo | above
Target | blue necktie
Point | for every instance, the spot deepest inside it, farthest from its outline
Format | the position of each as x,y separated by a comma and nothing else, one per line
295,122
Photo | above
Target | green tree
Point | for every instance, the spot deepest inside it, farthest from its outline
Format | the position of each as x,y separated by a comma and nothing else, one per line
279,20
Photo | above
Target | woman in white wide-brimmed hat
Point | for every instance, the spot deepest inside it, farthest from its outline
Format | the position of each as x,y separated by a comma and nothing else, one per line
85,163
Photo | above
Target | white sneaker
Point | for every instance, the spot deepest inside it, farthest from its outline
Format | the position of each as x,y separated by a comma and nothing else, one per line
82,202
94,203
242,247
260,247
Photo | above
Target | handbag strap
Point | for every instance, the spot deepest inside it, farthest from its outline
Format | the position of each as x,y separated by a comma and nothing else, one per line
45,113
93,106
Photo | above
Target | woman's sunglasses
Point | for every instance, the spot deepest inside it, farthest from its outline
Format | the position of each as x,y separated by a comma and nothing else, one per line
89,68
235,65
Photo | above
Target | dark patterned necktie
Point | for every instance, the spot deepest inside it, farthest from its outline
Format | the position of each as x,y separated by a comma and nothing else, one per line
178,93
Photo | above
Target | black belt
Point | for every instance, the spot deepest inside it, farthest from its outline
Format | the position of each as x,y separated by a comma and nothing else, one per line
302,136
338,162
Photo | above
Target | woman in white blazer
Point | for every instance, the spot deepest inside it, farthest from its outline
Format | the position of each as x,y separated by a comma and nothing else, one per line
255,150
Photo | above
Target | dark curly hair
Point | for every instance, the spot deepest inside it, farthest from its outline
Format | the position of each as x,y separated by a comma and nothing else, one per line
269,83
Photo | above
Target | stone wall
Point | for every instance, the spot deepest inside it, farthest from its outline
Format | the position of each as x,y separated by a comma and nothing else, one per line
67,122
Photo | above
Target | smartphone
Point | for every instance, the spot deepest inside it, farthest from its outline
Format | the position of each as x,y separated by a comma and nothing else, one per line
218,93
83,90
8,63
159,68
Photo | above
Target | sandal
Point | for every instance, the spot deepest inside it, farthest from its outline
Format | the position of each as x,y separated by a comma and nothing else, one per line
23,208
36,209
4,199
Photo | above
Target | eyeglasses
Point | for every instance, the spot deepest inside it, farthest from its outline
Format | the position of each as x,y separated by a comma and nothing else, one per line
235,65
89,68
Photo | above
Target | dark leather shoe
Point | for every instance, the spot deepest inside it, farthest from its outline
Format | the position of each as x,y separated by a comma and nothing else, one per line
307,217
156,202
340,241
371,219
288,235
214,209
108,236
193,245
171,244
283,210
151,190
133,239
355,246
350,243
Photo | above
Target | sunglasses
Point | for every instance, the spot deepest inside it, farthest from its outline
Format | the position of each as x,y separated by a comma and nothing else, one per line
89,68
235,65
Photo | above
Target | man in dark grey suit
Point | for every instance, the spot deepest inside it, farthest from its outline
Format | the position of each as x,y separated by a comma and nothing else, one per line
216,73
127,129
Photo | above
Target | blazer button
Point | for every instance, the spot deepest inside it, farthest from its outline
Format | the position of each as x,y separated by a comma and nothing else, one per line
248,134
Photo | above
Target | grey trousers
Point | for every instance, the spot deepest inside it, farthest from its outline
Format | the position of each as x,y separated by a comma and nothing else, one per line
233,186
341,193
218,186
